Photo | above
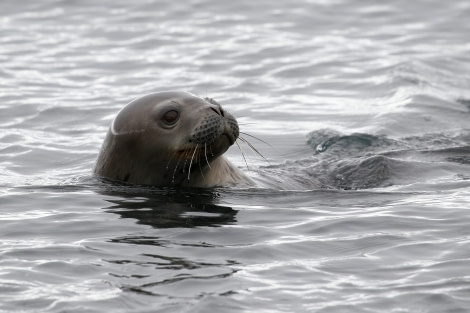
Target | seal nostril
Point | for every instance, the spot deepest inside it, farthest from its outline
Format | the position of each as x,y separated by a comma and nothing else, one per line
217,112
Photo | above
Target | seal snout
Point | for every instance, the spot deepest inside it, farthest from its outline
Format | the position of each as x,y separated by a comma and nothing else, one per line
215,124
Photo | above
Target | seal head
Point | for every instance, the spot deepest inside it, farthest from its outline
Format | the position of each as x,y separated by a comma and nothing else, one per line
171,139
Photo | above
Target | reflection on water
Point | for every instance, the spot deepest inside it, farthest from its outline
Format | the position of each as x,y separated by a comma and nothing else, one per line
169,252
166,208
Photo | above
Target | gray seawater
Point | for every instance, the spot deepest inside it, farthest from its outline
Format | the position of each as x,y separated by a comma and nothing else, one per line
363,204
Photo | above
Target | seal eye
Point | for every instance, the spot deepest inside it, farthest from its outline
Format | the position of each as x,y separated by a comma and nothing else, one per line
170,117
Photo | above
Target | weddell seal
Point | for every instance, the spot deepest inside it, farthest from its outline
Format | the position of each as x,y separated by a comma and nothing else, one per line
171,139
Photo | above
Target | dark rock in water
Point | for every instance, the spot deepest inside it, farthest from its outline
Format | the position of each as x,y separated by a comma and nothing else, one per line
362,161
359,174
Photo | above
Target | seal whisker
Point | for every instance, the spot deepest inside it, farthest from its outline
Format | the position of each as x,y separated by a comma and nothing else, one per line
185,155
174,171
254,137
170,158
253,148
205,154
200,167
243,154
191,162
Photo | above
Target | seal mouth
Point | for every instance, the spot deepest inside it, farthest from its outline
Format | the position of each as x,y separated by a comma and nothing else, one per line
231,139
207,151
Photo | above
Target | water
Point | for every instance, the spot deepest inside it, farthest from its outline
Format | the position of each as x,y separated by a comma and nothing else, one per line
362,205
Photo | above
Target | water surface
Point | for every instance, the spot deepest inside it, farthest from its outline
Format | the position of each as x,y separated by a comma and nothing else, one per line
362,205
